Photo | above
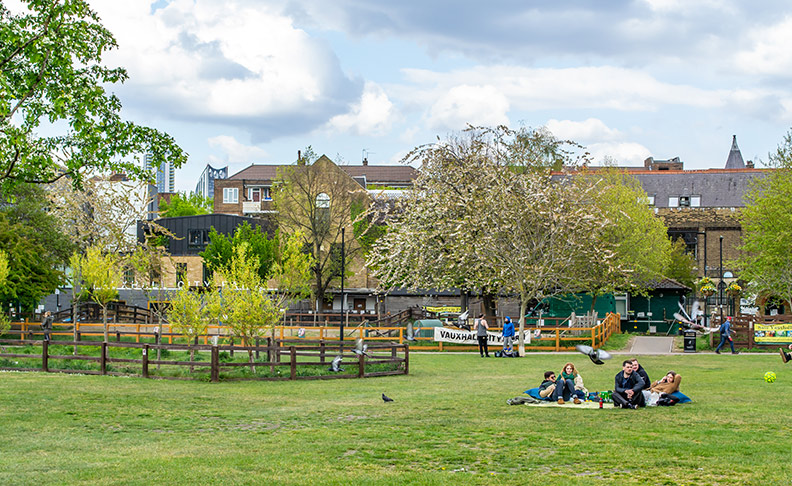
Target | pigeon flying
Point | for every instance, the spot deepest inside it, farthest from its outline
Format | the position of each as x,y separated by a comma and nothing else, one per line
336,364
360,348
595,355
386,398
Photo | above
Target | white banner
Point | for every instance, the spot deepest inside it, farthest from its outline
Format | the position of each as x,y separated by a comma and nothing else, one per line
460,336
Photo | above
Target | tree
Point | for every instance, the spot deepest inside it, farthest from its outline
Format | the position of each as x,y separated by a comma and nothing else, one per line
182,204
4,321
104,211
101,275
247,307
681,264
188,315
315,198
36,246
766,260
52,80
629,251
220,250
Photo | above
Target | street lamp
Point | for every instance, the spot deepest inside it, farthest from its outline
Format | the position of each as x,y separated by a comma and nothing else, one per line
342,285
721,284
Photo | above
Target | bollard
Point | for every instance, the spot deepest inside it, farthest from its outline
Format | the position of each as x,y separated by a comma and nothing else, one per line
145,361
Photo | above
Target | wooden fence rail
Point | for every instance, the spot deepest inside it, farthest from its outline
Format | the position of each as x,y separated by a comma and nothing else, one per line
280,354
556,336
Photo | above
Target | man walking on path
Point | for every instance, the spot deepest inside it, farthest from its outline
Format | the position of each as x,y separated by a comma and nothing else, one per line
725,333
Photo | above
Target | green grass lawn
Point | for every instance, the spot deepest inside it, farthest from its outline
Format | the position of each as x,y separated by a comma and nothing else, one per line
449,424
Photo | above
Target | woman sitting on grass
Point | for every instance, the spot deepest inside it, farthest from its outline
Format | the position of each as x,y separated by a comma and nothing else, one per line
660,391
569,385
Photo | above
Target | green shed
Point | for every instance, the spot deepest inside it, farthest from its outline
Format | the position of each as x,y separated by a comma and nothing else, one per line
655,312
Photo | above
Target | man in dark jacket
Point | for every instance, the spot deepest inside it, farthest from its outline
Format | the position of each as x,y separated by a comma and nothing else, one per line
637,368
627,389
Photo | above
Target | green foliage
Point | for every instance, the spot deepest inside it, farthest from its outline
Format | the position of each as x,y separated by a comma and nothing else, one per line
220,250
366,230
185,205
292,270
3,267
766,259
51,76
35,245
681,264
101,276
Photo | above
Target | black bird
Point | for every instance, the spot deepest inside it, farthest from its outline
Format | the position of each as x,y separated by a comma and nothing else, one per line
336,364
386,398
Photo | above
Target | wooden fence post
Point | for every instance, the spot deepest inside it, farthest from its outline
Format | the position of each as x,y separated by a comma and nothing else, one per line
293,353
257,348
45,355
145,360
215,373
232,347
118,336
103,358
322,352
406,359
361,365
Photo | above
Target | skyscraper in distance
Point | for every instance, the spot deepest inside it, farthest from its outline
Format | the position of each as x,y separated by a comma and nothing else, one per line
205,186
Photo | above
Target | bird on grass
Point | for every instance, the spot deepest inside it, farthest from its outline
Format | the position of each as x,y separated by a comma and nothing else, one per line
386,398
336,364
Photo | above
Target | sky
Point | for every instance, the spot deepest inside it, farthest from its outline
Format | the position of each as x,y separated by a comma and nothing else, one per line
238,82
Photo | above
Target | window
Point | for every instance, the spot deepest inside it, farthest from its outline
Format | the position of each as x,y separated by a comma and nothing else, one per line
684,201
323,201
254,194
266,193
673,201
230,195
197,238
695,201
650,200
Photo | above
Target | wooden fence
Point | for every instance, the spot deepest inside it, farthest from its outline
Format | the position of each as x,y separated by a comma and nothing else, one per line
285,354
551,338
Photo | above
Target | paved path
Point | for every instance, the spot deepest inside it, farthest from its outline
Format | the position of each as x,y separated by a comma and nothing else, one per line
652,345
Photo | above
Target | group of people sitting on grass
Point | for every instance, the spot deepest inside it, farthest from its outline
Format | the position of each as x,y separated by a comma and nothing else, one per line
632,388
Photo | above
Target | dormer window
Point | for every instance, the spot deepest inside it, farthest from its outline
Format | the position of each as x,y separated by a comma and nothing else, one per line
684,201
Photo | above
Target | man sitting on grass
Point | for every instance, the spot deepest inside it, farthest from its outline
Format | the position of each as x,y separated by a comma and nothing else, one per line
627,390
548,386
784,355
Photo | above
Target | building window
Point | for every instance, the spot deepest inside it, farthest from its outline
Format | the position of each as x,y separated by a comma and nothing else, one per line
254,194
197,238
695,201
673,201
181,273
266,193
230,195
684,201
323,201
650,200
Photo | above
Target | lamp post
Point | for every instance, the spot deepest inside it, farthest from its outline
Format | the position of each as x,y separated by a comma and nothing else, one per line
342,285
721,285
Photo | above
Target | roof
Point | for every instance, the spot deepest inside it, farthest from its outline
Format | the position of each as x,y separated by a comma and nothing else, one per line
735,160
668,284
374,174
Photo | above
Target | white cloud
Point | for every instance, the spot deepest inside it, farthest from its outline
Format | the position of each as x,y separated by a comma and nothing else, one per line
234,152
371,115
234,62
591,129
769,52
469,104
625,153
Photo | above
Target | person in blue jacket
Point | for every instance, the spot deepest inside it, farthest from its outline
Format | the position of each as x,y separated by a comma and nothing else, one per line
508,335
725,333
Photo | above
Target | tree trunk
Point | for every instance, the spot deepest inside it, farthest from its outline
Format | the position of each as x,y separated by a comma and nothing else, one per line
104,321
521,337
250,359
489,307
593,301
74,313
192,356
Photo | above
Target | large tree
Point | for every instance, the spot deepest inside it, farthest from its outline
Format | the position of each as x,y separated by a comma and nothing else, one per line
766,261
629,251
220,250
183,204
315,198
56,116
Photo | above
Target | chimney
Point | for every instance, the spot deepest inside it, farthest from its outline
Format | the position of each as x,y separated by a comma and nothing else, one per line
300,161
365,161
749,164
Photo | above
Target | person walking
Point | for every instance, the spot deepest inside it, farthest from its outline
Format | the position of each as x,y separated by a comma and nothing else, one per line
481,335
725,333
46,324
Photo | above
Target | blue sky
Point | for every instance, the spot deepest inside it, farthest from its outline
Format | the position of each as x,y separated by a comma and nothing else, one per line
253,81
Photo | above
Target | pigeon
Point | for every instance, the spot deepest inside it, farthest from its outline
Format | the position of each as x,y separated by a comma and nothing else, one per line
336,364
595,355
411,334
360,348
386,398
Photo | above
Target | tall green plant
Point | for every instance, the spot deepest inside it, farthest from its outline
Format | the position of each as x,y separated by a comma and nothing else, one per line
188,315
102,275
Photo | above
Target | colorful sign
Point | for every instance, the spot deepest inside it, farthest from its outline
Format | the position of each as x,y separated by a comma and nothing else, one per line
460,336
450,309
773,333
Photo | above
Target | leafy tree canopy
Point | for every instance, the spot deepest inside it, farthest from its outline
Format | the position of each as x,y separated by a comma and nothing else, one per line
185,205
52,80
681,265
220,250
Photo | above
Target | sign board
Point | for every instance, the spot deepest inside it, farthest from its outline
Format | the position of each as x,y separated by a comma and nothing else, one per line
460,336
773,333
450,309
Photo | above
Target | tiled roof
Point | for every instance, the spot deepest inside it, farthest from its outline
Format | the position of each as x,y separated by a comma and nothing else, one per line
375,174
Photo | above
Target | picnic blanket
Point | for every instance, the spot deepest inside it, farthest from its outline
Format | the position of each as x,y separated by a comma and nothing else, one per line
549,403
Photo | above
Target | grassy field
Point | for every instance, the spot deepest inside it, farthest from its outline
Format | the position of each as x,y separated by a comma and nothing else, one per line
449,424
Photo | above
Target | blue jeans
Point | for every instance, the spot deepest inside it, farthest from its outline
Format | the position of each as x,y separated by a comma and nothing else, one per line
564,389
723,341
